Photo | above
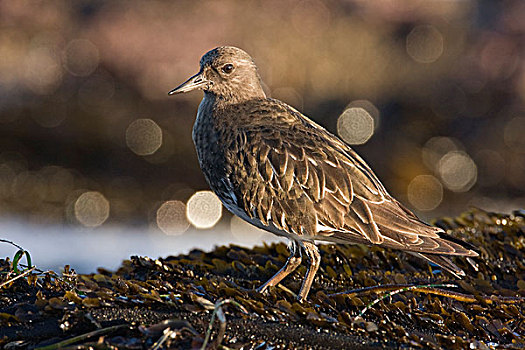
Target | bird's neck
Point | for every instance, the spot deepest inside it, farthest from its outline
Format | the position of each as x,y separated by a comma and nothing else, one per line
232,97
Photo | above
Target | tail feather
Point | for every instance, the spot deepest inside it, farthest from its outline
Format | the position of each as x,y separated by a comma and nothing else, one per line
443,262
397,219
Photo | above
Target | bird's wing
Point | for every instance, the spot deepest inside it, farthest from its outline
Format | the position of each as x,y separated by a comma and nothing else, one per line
293,174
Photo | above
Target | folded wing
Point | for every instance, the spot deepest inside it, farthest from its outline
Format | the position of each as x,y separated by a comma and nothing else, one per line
299,178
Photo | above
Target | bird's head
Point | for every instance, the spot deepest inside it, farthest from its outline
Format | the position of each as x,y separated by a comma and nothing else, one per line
228,73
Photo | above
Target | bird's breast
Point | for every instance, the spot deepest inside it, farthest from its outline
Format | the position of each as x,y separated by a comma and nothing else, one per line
208,137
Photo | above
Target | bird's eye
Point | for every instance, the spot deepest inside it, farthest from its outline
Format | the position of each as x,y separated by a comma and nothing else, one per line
227,68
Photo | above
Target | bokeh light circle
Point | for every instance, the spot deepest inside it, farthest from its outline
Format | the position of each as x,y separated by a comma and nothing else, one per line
458,171
91,209
204,209
425,192
424,44
81,57
144,137
171,217
355,126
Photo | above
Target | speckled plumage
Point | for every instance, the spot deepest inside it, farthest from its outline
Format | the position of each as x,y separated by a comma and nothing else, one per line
275,168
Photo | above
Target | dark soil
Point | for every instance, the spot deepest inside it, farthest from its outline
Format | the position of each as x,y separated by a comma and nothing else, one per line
133,307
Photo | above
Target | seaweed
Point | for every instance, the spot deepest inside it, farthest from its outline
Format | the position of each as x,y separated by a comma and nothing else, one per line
362,297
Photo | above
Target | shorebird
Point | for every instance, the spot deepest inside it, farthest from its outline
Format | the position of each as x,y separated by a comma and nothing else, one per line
275,168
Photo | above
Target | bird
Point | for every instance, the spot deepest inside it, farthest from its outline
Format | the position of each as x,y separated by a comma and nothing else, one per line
275,168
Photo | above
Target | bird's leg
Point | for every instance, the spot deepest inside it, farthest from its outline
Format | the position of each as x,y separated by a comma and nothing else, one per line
294,260
314,259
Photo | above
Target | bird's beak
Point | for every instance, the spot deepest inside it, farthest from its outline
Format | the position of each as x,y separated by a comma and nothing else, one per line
195,82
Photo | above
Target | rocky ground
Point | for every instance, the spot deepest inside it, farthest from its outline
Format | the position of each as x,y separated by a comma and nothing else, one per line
363,297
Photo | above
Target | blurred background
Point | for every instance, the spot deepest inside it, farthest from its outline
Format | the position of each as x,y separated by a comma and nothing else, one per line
96,159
